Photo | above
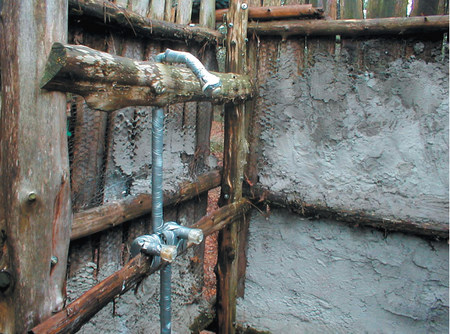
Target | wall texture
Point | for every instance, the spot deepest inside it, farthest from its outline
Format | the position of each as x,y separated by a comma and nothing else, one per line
321,276
357,126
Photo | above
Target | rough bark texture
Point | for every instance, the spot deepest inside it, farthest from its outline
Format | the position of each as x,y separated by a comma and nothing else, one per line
35,196
235,149
106,13
278,12
81,310
110,82
353,28
115,213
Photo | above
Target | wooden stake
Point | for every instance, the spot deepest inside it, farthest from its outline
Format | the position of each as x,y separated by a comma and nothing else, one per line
353,28
82,309
35,214
115,213
233,171
110,82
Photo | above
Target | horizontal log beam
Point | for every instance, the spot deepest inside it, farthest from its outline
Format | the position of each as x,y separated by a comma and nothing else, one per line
277,12
85,307
108,14
110,82
353,28
354,217
115,213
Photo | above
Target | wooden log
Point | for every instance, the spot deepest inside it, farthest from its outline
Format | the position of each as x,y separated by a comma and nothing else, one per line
353,28
82,309
353,217
110,82
277,12
115,213
235,150
34,168
105,13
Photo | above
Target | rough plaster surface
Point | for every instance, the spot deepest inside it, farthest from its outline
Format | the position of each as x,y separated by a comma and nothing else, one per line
322,276
139,312
374,141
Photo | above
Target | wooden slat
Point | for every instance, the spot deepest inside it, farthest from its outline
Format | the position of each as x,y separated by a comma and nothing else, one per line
428,7
114,17
233,166
207,16
115,213
352,28
353,217
386,8
351,9
157,9
278,12
184,12
82,309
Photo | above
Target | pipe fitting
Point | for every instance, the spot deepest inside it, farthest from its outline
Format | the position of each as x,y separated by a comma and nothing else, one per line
152,245
210,82
191,235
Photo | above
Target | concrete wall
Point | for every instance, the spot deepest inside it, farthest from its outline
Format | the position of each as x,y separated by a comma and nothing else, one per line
321,276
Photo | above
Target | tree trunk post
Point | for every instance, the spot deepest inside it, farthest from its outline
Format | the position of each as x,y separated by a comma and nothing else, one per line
235,149
35,210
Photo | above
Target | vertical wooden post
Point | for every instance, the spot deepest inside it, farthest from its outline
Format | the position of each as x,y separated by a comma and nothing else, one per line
34,171
235,149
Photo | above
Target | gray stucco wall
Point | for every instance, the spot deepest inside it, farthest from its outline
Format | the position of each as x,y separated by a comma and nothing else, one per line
321,276
362,129
373,140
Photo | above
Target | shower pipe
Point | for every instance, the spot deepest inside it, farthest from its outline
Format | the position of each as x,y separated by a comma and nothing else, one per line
169,238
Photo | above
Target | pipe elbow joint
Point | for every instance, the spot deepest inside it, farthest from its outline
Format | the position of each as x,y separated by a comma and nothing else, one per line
152,245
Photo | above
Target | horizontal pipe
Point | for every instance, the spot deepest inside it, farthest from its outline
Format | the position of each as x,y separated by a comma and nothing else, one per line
87,305
109,82
115,213
353,217
277,12
108,14
352,28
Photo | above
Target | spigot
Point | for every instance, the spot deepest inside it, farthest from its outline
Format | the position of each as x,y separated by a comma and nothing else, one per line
191,235
153,246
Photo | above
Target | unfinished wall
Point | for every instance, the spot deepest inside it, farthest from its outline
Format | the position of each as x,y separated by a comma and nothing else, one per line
361,125
322,276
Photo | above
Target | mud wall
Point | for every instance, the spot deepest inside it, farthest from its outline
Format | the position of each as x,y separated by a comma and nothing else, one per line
321,276
361,125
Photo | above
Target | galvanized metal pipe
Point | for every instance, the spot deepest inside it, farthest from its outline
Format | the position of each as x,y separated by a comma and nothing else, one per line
157,168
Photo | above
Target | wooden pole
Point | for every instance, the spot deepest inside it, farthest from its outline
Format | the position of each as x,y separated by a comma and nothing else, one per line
115,213
105,13
353,28
34,172
110,82
277,12
353,217
235,149
82,309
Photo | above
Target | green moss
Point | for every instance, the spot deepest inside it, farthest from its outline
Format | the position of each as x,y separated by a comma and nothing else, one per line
249,330
202,321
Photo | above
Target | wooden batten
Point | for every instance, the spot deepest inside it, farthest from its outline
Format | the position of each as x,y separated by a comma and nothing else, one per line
82,309
277,12
108,14
115,213
109,82
352,217
353,28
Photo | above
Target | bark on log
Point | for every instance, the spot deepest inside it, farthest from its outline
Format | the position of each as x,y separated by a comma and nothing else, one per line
234,157
35,213
108,14
110,82
353,28
353,217
115,213
277,12
82,309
